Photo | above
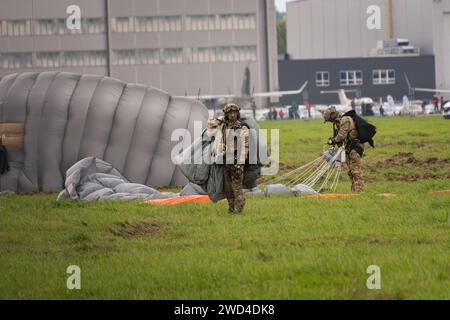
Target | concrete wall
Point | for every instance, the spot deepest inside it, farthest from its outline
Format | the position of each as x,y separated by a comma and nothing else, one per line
420,71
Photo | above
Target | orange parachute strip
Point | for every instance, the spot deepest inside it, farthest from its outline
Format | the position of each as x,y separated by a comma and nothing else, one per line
441,191
179,200
206,199
333,195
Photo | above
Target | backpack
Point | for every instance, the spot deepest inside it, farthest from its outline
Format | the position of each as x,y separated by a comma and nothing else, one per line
366,131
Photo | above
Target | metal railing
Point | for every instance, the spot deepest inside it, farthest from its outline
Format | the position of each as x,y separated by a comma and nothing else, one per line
389,52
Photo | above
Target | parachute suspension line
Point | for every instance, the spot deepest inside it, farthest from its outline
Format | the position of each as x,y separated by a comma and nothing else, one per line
336,180
328,168
327,178
331,168
292,172
320,174
301,176
315,174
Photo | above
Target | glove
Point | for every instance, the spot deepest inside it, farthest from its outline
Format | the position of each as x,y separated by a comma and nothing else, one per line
238,171
331,142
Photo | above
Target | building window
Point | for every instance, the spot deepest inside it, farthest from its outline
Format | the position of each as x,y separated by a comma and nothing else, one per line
145,24
220,22
223,54
201,55
244,21
122,24
83,58
50,27
45,27
171,56
171,23
226,21
383,76
48,59
220,54
245,53
15,60
124,57
351,78
322,79
147,56
158,24
93,25
15,28
201,22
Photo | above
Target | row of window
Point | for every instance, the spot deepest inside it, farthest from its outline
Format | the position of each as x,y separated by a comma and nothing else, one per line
186,55
50,27
56,59
191,23
221,54
221,22
355,77
94,25
147,56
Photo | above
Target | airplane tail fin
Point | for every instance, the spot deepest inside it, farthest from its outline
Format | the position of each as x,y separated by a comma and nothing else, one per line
343,98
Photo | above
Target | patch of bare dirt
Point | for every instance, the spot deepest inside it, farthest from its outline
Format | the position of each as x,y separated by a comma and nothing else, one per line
416,177
286,167
408,158
401,143
403,158
128,230
264,256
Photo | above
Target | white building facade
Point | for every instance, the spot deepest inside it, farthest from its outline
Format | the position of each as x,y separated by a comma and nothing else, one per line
181,46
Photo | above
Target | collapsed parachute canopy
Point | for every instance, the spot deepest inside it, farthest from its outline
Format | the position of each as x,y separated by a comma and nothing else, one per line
66,117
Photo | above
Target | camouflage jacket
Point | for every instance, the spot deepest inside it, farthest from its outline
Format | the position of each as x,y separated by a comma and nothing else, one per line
345,130
232,150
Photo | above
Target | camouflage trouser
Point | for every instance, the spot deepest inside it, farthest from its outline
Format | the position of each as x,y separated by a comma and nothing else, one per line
353,160
232,184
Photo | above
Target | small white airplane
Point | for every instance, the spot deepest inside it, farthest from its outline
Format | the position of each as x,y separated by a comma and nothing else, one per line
245,92
253,95
361,105
339,107
445,107
346,101
413,89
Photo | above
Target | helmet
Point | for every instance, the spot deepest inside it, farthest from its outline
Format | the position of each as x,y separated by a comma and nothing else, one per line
330,114
230,107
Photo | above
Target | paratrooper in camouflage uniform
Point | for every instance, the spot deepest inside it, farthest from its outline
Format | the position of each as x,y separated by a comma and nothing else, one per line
345,134
234,146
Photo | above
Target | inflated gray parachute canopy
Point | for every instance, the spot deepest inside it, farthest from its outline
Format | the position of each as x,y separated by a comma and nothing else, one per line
64,117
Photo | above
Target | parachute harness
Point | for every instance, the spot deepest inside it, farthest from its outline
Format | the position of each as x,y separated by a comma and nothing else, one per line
320,174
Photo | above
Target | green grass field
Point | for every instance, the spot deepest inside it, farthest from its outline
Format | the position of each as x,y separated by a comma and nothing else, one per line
280,248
